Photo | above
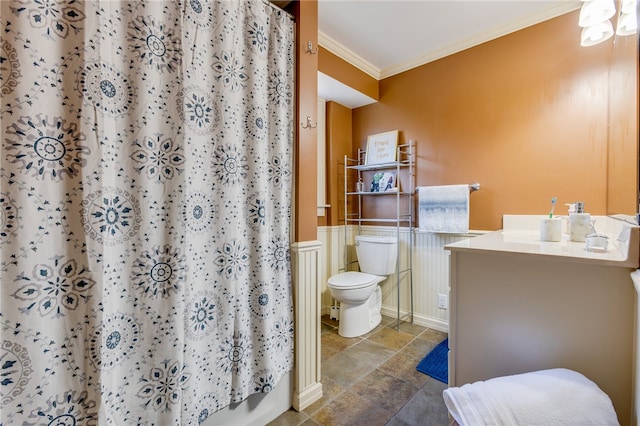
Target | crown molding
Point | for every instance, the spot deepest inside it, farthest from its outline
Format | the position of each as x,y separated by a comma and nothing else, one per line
513,26
343,53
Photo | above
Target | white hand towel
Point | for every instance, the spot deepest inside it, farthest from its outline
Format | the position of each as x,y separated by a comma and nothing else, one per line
444,209
547,397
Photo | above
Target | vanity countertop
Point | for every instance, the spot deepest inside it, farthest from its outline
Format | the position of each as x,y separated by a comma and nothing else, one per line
623,250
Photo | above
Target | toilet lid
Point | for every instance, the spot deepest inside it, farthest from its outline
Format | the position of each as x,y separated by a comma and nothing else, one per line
352,280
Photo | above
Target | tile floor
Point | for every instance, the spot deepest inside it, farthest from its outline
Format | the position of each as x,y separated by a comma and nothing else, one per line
372,380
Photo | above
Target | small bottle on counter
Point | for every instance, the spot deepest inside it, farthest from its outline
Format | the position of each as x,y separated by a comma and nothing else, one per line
579,223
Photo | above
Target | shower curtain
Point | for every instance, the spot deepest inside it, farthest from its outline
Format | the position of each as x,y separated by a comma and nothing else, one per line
145,202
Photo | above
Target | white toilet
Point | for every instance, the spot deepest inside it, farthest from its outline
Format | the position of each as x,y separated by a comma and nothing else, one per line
359,294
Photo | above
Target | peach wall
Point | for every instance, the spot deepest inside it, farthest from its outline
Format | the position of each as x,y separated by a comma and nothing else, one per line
525,115
339,69
623,127
338,145
305,188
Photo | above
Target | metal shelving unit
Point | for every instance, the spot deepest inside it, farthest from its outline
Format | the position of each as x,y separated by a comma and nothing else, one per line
355,170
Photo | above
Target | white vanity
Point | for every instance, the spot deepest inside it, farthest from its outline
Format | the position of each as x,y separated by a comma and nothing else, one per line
518,304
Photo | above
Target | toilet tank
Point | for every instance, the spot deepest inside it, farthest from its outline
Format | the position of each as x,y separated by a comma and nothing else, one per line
377,255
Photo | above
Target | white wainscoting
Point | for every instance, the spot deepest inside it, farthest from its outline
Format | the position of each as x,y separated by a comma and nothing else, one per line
307,387
430,265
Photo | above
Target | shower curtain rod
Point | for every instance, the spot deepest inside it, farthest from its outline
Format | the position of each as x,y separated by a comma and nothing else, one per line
275,6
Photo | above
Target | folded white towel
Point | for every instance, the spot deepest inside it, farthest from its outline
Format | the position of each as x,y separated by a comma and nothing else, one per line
547,397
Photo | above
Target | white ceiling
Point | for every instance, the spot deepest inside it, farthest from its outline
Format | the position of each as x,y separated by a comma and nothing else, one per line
387,37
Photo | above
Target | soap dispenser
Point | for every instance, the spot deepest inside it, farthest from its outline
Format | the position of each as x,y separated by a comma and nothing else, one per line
579,223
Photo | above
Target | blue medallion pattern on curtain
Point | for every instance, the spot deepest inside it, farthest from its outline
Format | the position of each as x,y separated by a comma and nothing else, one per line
145,205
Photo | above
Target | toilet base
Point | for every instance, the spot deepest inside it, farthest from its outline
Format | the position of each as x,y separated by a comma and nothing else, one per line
356,320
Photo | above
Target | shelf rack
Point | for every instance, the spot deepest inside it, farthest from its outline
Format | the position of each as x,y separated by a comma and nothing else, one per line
355,170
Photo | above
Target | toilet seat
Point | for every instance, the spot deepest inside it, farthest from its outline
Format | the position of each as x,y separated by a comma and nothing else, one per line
353,280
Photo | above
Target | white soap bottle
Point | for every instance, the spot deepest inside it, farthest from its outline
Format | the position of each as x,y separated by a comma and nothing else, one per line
579,223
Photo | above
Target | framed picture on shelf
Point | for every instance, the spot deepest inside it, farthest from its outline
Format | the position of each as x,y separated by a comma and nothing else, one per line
381,148
384,182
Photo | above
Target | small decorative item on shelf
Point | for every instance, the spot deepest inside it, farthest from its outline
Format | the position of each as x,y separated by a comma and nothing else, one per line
360,185
384,182
381,148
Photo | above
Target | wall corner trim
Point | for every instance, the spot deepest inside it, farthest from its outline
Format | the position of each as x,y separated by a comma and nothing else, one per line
307,388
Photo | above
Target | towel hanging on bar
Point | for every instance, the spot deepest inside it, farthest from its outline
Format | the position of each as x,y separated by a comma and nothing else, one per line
472,187
443,209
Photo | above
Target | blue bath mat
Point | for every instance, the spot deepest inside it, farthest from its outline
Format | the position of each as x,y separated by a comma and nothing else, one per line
436,363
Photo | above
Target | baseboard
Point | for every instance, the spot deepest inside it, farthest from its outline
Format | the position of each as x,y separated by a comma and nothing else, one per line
325,310
307,397
423,320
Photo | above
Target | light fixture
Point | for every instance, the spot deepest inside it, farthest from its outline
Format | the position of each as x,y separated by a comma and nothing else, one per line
595,21
596,33
628,20
596,11
627,24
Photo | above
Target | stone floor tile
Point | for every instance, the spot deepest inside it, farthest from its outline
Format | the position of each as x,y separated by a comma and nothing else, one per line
331,343
345,370
391,338
372,379
385,391
350,409
435,336
330,390
423,409
326,327
407,327
419,348
403,366
370,352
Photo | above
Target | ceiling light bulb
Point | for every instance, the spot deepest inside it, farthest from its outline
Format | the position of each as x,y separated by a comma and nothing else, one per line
596,11
596,33
627,24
